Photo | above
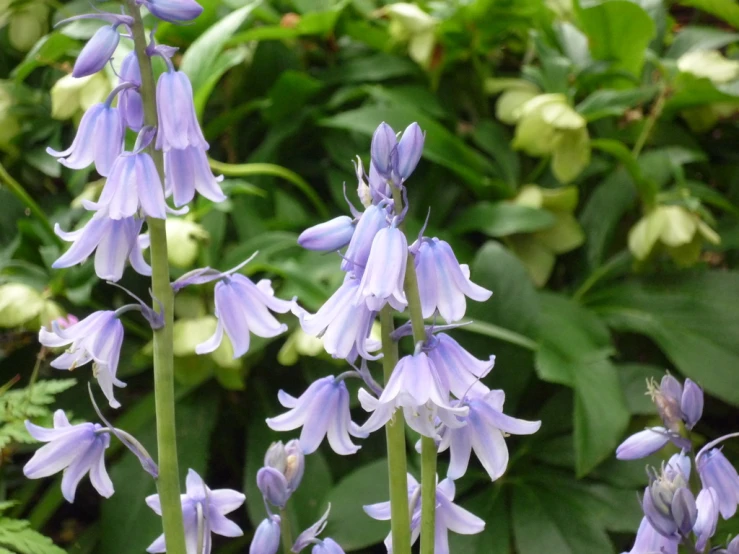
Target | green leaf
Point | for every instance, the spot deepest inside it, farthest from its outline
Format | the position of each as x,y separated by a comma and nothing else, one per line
619,31
18,537
201,57
613,103
728,10
634,379
686,315
348,524
492,138
502,219
699,38
490,505
225,61
289,94
45,52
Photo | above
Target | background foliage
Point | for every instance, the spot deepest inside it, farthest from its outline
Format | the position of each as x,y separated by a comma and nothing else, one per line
579,156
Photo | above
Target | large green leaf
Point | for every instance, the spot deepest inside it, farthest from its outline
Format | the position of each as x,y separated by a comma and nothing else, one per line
728,10
689,316
489,504
502,219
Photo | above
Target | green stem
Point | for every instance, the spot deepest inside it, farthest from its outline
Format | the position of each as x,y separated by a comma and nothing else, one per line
651,120
168,483
286,532
400,520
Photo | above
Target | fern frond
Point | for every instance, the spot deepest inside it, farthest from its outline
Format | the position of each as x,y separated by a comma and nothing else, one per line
17,537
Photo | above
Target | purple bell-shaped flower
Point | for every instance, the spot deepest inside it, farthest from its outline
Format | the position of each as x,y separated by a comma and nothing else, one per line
178,123
186,171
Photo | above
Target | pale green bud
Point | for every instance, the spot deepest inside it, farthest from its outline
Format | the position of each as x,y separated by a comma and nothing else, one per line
184,238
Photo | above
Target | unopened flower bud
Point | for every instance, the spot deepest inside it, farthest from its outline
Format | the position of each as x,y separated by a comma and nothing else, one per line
410,148
174,11
97,52
295,466
691,403
276,457
667,397
384,150
328,236
684,511
267,537
273,486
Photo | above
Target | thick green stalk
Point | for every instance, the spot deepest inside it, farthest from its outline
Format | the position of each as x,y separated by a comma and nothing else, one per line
286,533
168,483
400,520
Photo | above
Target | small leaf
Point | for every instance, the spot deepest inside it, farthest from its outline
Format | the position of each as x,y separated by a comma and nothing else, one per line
502,219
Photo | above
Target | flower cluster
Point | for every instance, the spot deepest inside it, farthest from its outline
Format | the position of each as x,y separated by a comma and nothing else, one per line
674,512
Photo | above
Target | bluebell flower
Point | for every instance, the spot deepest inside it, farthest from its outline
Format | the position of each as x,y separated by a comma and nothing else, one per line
649,541
449,516
414,385
267,537
75,449
129,100
410,148
372,220
442,282
113,240
667,396
707,504
383,278
174,11
273,486
691,403
459,370
322,411
717,472
665,499
384,150
344,326
178,123
289,460
327,546
98,51
97,338
485,432
647,442
395,159
328,236
186,171
203,509
99,139
243,308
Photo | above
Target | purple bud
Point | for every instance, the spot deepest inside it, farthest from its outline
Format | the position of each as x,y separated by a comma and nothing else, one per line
267,537
97,51
328,236
295,464
684,511
276,457
642,444
666,396
691,403
371,221
658,513
410,149
273,486
129,100
174,11
384,150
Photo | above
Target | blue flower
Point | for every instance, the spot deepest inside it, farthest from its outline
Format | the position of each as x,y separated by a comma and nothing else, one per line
320,546
384,275
178,123
647,442
328,236
372,220
267,537
75,449
97,52
202,509
129,99
396,160
273,486
186,171
717,472
707,504
460,371
649,541
691,403
174,11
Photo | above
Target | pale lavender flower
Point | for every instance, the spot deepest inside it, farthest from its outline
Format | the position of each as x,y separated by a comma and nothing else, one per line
649,541
344,326
113,240
410,148
322,411
309,536
327,546
186,171
97,338
273,486
731,548
382,280
174,11
372,220
485,432
384,150
707,504
667,396
395,159
459,370
243,308
667,502
98,51
647,442
717,472
442,282
449,516
267,537
691,403
289,460
328,236
684,510
414,384
99,139
129,99
75,449
178,123
203,509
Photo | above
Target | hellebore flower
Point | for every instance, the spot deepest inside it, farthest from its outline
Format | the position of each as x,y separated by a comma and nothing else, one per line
174,11
97,52
76,449
707,504
716,472
96,338
202,509
383,277
267,537
289,460
243,308
649,541
129,100
178,123
99,139
460,371
691,403
328,236
113,241
443,283
322,410
370,222
413,385
449,516
186,171
344,326
647,442
484,433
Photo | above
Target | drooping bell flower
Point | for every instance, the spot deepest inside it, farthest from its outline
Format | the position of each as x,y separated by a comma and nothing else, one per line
98,51
203,512
707,505
99,139
98,339
129,100
186,171
243,308
383,278
459,370
649,541
485,432
716,472
443,283
322,411
267,536
370,222
328,236
113,240
178,123
174,11
75,449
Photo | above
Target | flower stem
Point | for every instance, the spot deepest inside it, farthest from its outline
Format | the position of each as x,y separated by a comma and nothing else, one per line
286,532
400,520
168,483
